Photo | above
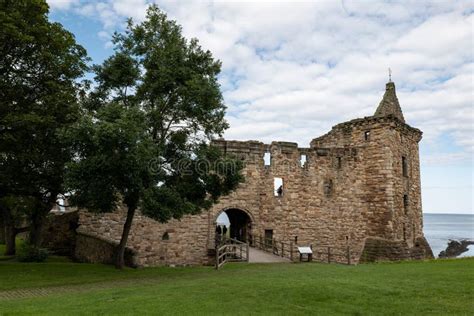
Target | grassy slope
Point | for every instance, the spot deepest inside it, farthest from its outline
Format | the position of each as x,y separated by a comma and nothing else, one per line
434,287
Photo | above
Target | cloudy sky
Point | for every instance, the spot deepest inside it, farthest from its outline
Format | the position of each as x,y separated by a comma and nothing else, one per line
291,70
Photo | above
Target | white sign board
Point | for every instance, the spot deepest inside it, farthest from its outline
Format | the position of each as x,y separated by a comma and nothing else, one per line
305,250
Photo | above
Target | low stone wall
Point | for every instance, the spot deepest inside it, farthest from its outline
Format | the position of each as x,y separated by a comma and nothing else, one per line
377,249
92,249
176,243
60,233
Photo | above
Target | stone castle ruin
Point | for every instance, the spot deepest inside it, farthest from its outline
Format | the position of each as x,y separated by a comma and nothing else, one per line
354,195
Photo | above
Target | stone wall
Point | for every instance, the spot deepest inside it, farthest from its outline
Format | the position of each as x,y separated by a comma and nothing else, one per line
349,193
93,249
186,242
378,249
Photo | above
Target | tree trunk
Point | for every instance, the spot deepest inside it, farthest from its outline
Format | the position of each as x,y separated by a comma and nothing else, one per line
38,218
120,250
10,236
36,228
10,232
2,229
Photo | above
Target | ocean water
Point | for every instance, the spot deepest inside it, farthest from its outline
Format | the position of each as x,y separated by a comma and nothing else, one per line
440,228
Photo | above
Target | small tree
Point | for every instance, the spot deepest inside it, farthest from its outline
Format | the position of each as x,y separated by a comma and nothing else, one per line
143,137
39,65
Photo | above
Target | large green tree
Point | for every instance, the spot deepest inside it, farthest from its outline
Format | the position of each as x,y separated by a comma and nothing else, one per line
40,63
143,140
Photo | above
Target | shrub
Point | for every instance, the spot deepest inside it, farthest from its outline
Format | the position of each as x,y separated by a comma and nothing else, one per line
29,253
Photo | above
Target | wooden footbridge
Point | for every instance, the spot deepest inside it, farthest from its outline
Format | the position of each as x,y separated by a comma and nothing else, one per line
272,251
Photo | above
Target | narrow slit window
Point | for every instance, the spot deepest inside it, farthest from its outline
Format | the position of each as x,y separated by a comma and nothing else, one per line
303,160
328,187
339,162
367,135
405,203
404,166
278,187
267,159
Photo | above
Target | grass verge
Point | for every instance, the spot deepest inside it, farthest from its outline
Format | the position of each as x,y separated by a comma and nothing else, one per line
431,287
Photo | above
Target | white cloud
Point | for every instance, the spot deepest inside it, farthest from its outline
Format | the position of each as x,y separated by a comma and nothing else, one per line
445,158
61,4
292,70
135,9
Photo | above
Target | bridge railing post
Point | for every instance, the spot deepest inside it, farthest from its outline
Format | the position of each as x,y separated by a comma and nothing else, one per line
247,248
291,251
217,257
348,255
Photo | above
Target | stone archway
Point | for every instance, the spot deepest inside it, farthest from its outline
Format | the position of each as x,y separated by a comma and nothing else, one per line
240,224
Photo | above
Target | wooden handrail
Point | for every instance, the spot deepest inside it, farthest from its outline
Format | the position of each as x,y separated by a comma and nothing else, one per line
326,253
231,250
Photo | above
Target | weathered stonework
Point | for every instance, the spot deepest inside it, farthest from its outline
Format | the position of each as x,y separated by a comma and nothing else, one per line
353,193
92,249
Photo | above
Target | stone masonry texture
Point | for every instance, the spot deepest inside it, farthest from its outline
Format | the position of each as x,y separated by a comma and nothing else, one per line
358,193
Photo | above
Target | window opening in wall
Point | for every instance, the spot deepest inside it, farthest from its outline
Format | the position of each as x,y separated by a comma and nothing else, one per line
268,238
165,236
367,135
328,187
339,162
267,159
302,160
278,186
405,203
404,166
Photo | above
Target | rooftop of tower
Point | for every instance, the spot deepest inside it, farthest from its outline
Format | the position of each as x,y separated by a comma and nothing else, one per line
389,104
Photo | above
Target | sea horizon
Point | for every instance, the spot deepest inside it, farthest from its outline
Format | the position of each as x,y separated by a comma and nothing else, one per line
440,228
472,213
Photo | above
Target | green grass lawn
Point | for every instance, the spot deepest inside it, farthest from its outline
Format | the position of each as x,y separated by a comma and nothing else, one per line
438,287
18,243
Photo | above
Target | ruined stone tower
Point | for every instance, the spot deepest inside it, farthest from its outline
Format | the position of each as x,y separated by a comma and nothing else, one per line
354,195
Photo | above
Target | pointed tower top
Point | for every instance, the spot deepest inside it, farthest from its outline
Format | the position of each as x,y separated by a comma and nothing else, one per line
389,104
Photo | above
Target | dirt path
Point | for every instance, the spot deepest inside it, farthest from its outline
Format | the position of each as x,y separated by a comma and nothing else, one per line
64,289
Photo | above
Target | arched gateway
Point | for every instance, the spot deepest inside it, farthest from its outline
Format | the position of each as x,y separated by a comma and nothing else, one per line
240,223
